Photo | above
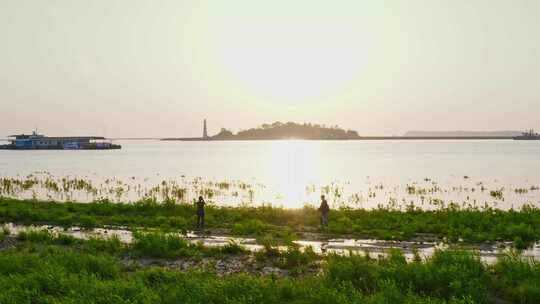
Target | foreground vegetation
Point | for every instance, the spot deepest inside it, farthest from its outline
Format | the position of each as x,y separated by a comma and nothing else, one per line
45,268
452,224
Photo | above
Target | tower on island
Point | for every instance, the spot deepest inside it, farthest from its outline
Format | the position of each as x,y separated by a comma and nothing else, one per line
205,131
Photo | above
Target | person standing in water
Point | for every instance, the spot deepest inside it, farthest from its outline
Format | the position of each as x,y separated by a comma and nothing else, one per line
324,209
200,212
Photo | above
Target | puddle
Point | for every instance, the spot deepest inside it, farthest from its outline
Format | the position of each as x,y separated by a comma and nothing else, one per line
375,248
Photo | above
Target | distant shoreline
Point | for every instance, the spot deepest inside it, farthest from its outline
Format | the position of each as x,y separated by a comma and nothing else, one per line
366,138
352,139
328,139
308,131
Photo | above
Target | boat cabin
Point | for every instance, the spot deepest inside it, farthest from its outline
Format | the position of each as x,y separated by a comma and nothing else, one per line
41,142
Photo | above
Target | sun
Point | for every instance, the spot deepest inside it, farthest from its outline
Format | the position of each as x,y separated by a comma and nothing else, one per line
289,62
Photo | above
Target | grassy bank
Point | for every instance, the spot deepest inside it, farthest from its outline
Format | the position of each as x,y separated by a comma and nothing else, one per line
42,268
451,223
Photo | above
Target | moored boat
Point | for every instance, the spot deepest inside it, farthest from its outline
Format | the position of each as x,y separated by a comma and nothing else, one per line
37,141
529,135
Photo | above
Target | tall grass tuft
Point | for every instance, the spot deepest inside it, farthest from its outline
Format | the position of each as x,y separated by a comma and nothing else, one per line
517,278
162,245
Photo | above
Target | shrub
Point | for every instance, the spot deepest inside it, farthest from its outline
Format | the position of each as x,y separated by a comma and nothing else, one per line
4,232
357,270
232,248
270,248
37,236
112,245
87,221
64,239
250,227
517,279
450,274
161,245
179,223
341,225
296,260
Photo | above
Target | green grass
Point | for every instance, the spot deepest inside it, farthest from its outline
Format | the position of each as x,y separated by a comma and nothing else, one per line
4,232
145,244
294,259
518,279
93,245
447,275
170,246
46,268
162,245
450,223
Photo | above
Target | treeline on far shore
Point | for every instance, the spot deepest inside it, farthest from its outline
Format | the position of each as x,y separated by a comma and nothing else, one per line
451,224
279,130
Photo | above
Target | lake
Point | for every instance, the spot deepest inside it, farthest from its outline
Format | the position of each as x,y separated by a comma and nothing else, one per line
291,173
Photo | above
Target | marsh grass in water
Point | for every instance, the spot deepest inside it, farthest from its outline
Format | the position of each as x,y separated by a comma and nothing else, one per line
454,224
426,193
44,185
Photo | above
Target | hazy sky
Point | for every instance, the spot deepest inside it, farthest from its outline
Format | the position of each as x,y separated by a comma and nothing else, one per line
157,68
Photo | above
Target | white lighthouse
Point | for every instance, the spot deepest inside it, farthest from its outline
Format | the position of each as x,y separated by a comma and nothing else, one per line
205,131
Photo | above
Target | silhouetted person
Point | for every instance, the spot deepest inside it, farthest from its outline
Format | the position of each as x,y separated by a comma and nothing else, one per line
324,209
200,212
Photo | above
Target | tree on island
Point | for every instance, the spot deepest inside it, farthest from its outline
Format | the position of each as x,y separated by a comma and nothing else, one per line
289,130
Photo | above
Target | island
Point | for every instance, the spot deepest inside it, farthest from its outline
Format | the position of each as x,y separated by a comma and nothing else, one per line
278,131
289,130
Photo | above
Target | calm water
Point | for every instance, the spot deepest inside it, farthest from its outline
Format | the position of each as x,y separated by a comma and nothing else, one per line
294,173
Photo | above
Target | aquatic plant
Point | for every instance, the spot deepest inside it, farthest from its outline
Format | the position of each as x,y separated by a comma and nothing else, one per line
428,193
521,190
498,194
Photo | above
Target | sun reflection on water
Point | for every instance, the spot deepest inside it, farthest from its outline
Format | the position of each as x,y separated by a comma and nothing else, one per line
288,173
293,164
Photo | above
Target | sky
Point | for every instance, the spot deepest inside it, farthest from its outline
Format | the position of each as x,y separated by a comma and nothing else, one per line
136,68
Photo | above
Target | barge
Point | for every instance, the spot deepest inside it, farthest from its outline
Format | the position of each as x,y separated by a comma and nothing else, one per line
529,135
37,141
